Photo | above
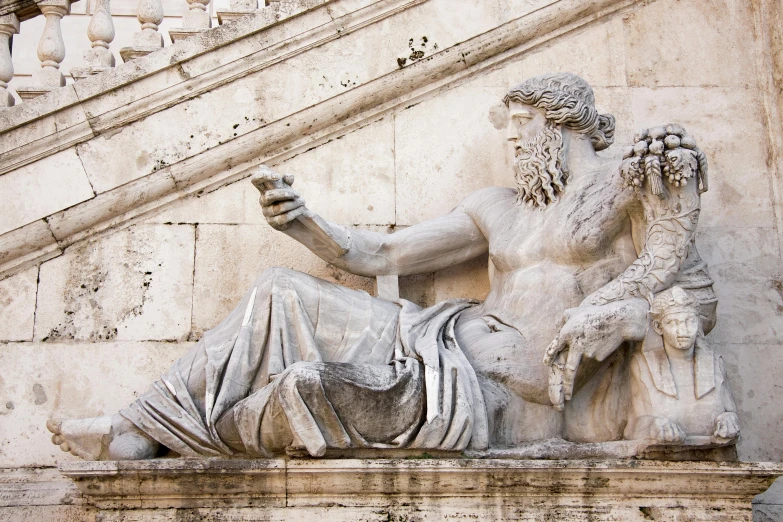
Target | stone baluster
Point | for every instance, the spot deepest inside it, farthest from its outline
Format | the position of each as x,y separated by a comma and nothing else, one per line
149,39
196,20
9,25
101,33
239,8
51,51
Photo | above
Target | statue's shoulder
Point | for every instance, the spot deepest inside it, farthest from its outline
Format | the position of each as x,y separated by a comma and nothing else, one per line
489,199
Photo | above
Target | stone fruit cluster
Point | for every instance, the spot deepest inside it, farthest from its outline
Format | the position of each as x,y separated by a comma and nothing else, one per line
660,153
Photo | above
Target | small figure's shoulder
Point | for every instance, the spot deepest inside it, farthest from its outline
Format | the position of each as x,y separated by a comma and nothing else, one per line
488,198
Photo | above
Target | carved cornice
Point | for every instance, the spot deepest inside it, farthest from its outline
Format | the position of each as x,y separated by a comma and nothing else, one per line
131,92
537,484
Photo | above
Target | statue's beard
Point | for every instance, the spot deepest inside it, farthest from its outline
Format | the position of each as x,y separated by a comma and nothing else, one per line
540,168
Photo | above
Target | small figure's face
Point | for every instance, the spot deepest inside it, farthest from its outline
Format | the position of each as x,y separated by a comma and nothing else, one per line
679,329
525,123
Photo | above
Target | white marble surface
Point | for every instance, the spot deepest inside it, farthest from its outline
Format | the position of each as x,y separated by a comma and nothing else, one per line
641,81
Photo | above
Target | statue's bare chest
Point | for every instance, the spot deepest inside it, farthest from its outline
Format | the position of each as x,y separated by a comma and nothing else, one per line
578,229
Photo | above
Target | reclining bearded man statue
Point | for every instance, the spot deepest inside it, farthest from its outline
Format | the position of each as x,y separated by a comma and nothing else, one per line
578,249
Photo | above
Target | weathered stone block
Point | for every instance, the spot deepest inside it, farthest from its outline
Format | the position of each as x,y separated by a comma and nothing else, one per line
591,52
135,284
745,265
754,371
17,305
387,489
40,189
446,148
230,204
350,179
728,124
673,43
49,380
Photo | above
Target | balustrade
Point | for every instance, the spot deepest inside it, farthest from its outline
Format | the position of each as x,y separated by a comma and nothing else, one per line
239,8
51,51
149,39
9,25
196,20
100,32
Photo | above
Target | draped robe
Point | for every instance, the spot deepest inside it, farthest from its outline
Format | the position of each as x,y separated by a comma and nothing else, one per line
307,364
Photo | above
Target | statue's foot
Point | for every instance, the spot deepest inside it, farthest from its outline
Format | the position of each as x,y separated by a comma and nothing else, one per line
102,438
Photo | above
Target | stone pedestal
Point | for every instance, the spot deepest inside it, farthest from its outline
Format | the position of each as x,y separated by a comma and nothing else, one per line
423,488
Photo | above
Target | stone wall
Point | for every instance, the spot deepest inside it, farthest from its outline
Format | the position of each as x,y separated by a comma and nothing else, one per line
85,332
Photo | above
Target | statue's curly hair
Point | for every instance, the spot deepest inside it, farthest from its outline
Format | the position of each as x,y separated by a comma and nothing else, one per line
567,100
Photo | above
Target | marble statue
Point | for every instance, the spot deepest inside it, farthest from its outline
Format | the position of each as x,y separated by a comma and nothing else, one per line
579,249
679,387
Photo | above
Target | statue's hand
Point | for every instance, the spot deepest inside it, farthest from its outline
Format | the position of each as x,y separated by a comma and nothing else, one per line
279,202
591,332
727,427
666,431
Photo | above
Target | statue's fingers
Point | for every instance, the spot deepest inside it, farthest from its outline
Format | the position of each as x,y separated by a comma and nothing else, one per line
569,372
288,179
283,219
556,387
273,196
554,349
263,176
281,208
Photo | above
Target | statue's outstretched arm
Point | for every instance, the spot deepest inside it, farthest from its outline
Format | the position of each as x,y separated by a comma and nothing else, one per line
425,247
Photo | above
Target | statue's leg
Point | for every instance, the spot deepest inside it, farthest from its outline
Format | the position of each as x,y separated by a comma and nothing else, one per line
513,379
316,406
295,317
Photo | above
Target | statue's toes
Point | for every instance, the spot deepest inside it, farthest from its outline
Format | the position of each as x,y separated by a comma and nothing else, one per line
57,440
65,447
54,425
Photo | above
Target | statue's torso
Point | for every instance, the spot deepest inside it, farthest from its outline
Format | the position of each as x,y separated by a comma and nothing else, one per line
547,261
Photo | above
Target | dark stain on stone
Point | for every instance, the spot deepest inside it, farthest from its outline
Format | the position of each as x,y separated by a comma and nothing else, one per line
40,394
647,512
183,73
9,405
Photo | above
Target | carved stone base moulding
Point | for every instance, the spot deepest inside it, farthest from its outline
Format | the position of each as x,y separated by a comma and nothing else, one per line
423,488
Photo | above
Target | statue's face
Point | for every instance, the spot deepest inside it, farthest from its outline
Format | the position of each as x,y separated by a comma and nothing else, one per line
537,141
679,329
525,123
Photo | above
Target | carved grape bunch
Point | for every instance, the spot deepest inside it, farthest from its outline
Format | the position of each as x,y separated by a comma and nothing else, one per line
664,153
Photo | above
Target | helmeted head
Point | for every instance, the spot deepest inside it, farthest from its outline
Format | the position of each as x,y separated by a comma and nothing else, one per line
539,109
675,316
